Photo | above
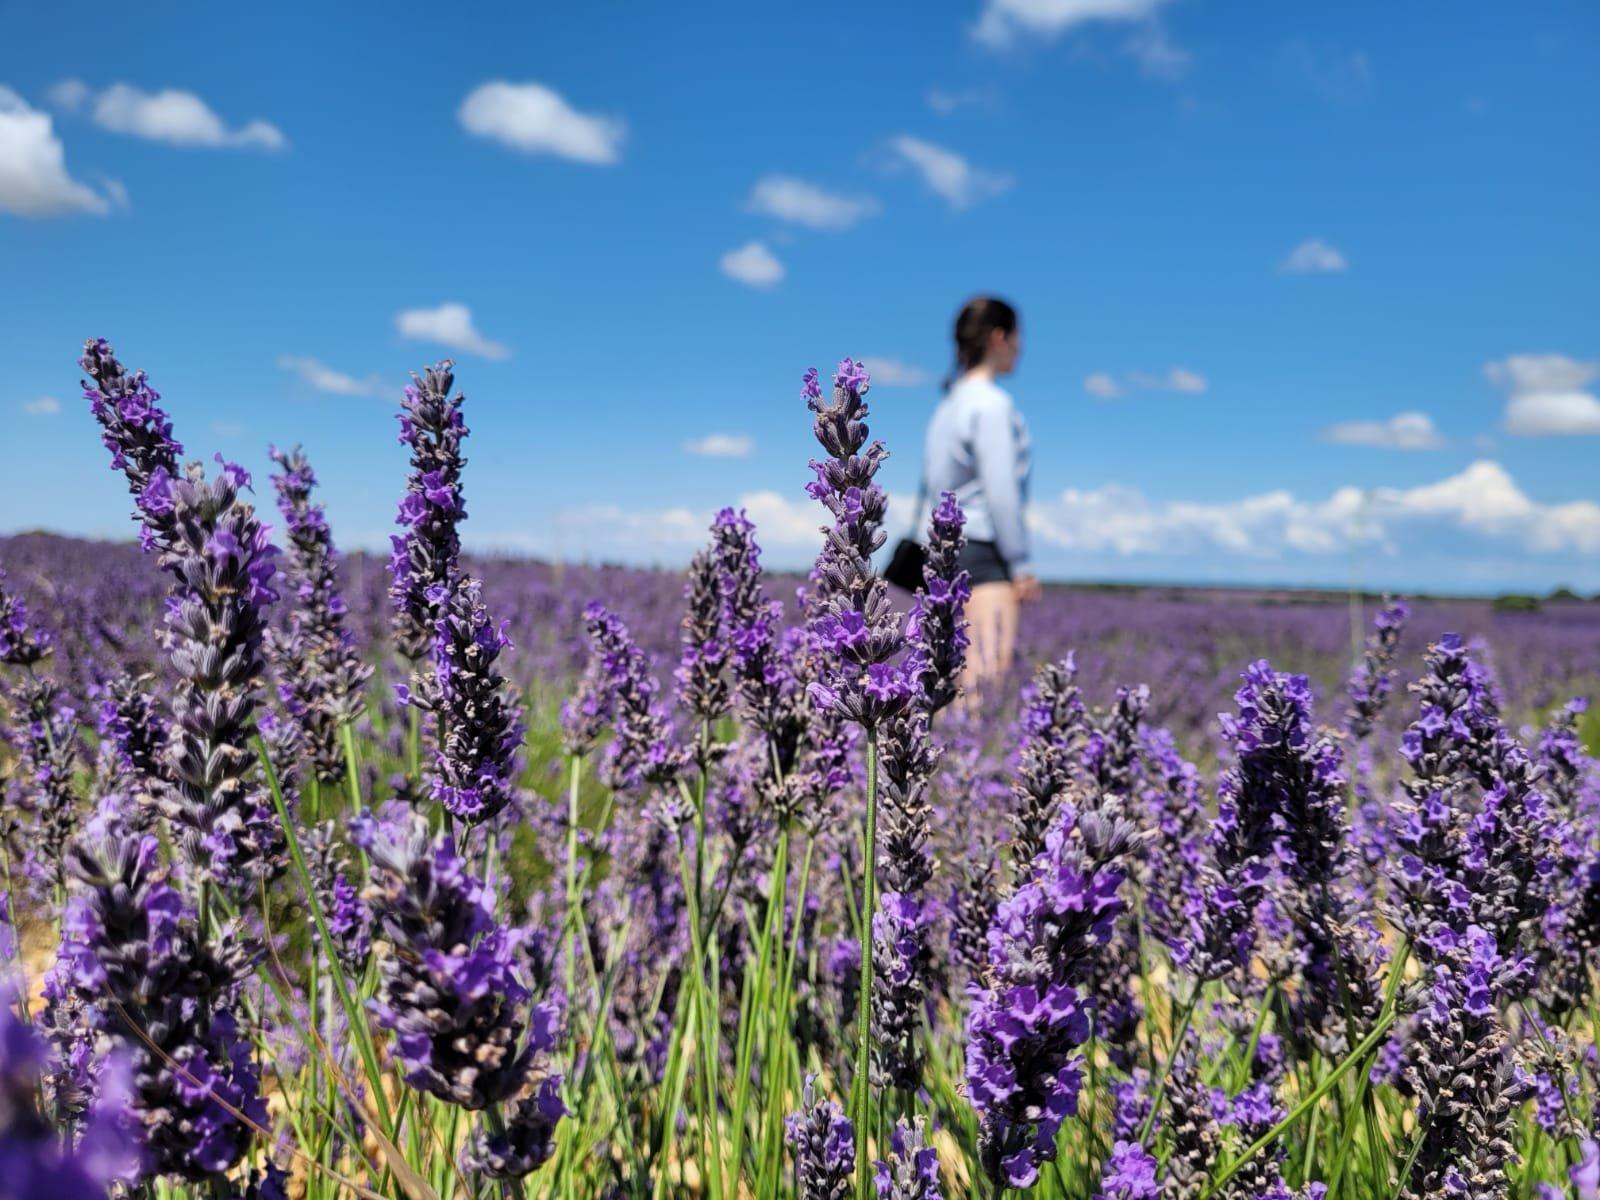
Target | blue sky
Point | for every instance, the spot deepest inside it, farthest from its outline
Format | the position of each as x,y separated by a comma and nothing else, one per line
1309,293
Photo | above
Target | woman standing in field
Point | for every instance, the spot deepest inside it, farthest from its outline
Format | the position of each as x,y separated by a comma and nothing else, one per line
977,447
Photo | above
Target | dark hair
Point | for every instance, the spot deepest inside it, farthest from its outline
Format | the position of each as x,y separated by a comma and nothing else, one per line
976,321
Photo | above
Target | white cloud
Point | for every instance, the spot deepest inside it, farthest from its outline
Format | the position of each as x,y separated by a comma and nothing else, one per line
1103,385
802,203
1314,257
537,120
449,325
946,173
1547,396
892,372
722,445
946,102
1002,22
325,379
1403,431
1157,55
1541,373
70,94
1552,414
33,169
176,117
1482,500
1173,379
42,406
752,264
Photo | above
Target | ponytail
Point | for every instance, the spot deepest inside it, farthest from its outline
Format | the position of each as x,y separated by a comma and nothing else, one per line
977,321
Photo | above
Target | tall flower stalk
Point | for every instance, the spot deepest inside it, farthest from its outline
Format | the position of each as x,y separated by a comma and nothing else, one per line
320,673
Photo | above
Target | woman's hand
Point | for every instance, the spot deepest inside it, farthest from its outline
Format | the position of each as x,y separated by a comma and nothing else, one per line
1025,588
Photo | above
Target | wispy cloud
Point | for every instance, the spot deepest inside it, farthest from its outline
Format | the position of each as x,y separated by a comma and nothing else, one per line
325,379
722,445
945,101
947,173
1548,394
1403,431
42,406
800,202
173,116
1335,73
534,119
893,372
448,325
1002,23
1314,257
34,181
753,265
1174,379
1482,501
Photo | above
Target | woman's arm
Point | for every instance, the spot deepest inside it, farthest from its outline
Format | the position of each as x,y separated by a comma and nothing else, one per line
995,447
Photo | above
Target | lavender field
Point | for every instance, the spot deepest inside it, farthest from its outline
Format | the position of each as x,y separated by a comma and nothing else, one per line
438,876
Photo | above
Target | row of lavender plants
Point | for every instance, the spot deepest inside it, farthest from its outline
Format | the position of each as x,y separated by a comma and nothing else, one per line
307,911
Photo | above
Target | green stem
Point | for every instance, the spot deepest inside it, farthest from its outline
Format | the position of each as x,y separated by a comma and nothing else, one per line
869,905
1299,1110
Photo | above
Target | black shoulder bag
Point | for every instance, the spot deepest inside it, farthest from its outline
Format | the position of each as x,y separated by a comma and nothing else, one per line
905,564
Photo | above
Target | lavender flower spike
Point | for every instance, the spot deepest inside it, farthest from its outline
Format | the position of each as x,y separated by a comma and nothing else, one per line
321,674
21,643
912,1171
855,626
936,630
477,723
35,1160
1373,678
1026,1024
824,1147
425,556
451,993
138,434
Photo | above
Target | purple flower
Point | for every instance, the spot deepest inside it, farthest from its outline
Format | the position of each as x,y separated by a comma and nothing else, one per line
526,1138
464,1024
138,434
35,1159
824,1147
645,749
1053,730
162,992
1028,1020
1129,1174
22,644
912,1170
320,672
423,565
477,724
1373,678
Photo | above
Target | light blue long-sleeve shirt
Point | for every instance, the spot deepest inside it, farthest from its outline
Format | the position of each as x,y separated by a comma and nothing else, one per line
978,447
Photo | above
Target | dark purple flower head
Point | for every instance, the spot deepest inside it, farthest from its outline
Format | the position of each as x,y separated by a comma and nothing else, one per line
854,631
1053,730
138,434
1129,1174
163,991
824,1147
1373,678
620,689
36,1160
936,630
425,555
526,1138
22,644
320,672
477,724
451,992
1031,1016
223,564
912,1169
704,689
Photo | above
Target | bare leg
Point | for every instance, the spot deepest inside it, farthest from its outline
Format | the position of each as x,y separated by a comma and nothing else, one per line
992,619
